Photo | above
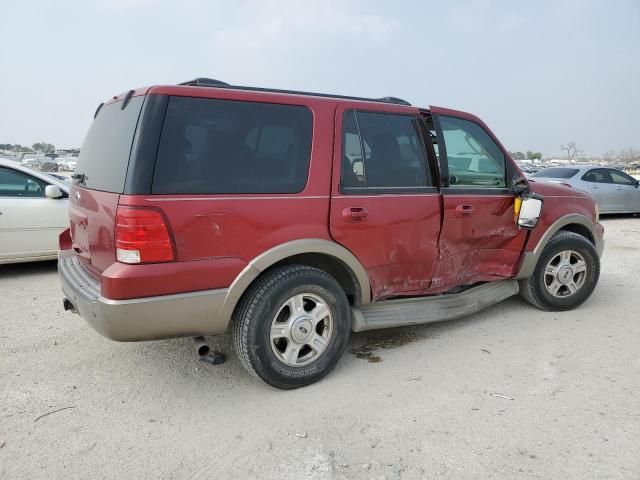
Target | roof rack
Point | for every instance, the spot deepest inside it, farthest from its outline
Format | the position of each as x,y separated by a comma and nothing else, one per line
210,82
205,82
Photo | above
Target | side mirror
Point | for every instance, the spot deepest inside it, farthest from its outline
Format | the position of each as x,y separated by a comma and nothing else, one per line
520,186
529,211
52,191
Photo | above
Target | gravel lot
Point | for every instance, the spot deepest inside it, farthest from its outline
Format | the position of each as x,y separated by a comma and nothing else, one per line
511,392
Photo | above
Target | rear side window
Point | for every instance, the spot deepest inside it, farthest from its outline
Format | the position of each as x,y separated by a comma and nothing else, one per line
598,175
104,156
382,151
556,173
211,146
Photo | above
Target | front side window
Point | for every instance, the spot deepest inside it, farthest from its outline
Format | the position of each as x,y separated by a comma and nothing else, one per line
212,146
620,178
18,184
382,151
473,158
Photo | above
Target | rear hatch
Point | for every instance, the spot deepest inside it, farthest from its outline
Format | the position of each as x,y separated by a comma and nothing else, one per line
99,179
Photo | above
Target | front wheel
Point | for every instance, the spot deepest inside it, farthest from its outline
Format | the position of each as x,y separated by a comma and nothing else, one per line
566,274
292,326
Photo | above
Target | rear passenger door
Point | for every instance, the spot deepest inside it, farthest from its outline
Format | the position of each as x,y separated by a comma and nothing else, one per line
384,206
480,240
601,187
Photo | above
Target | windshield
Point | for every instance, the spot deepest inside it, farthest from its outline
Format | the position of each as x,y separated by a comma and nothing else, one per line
556,173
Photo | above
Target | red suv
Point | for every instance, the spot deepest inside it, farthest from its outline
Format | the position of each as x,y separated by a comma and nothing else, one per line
293,218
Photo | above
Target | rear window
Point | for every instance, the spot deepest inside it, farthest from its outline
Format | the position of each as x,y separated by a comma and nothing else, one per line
556,173
104,155
213,146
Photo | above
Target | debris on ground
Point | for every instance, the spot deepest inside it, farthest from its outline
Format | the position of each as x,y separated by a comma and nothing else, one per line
53,411
499,395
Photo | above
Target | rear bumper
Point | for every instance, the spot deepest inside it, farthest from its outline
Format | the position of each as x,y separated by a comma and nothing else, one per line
149,318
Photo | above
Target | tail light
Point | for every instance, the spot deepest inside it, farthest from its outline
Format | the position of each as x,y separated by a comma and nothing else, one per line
142,236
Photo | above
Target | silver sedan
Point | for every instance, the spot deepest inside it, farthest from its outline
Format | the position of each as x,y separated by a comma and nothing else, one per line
614,190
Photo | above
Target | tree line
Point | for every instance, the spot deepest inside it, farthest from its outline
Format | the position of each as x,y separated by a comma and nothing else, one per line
572,152
526,156
40,147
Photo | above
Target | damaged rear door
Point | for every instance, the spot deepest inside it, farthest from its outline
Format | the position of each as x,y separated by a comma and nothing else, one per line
480,240
385,207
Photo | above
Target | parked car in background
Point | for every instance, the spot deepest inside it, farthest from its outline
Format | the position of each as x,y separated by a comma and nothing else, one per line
614,190
67,163
33,211
44,164
293,218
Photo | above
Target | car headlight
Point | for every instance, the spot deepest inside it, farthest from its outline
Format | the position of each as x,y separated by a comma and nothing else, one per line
597,212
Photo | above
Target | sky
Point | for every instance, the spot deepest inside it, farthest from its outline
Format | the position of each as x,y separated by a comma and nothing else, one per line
539,73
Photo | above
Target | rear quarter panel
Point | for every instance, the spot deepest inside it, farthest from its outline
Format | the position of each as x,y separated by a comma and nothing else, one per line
216,236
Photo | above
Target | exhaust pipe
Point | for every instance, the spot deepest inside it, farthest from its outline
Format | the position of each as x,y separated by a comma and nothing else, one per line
67,305
202,347
206,355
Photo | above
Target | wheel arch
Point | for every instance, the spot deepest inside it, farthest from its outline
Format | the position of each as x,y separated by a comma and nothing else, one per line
575,223
319,253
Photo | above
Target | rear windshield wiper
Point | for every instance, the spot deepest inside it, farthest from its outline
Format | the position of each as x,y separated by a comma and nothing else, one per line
98,110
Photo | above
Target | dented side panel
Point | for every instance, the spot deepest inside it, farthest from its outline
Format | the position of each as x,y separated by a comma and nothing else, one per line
485,245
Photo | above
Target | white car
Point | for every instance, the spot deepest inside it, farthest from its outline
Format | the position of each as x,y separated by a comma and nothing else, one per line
33,212
67,163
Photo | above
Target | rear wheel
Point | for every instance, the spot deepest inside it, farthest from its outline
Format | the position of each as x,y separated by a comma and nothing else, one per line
292,326
566,273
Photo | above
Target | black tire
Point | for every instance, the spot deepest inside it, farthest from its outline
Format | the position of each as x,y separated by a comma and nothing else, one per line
534,290
256,310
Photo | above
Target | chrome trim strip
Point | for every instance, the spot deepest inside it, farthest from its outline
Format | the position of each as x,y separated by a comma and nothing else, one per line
208,199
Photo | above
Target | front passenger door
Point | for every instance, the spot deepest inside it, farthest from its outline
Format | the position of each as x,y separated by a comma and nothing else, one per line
626,190
29,222
480,240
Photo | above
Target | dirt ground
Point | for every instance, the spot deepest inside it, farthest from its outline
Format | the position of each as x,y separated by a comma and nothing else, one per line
509,393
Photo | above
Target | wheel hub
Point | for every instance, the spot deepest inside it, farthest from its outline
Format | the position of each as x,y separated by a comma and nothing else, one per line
565,274
302,329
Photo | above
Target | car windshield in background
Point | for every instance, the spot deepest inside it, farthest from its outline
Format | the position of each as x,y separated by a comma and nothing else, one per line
556,173
105,152
59,177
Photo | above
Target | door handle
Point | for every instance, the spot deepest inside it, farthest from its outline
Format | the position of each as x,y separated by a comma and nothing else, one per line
618,188
464,211
594,186
355,214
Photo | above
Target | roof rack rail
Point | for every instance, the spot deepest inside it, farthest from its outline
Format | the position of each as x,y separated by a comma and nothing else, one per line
209,82
205,82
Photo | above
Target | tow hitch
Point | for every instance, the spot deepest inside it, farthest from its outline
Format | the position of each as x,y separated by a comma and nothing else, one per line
206,355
